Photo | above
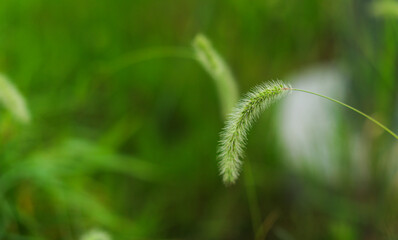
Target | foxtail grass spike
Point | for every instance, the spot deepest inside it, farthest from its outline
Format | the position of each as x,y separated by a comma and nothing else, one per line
216,67
13,100
234,135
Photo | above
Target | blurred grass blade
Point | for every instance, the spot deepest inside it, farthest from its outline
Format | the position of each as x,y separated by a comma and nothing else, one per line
213,63
146,55
13,100
385,9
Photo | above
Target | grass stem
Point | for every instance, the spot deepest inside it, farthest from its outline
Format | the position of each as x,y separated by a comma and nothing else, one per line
352,108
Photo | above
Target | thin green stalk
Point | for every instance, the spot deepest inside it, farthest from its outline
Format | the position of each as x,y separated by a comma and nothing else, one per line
150,54
352,108
252,199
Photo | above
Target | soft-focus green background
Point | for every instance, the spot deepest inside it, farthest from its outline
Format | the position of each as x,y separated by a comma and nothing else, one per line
125,142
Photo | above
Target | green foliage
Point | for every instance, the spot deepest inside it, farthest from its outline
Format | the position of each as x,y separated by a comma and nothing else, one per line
125,127
62,174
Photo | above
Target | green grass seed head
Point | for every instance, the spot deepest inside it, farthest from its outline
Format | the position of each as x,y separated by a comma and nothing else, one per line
234,135
217,68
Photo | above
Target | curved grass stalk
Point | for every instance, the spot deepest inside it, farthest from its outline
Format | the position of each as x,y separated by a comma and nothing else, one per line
352,108
234,135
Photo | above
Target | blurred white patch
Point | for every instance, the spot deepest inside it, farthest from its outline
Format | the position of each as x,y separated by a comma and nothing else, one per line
96,234
309,125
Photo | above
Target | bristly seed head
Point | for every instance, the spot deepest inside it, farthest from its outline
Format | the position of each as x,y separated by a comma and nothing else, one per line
234,135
